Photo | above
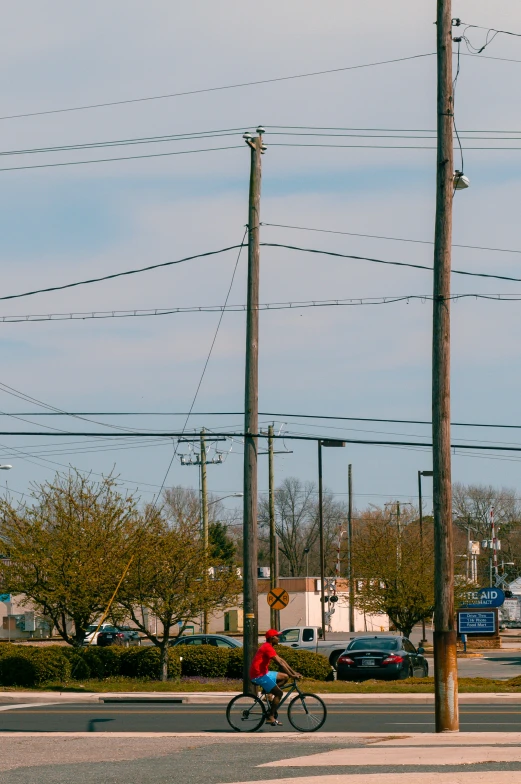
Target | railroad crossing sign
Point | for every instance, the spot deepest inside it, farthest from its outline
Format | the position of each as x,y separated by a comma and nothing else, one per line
278,598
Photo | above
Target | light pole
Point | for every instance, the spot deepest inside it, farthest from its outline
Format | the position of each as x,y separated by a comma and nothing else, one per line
232,495
306,553
327,443
420,505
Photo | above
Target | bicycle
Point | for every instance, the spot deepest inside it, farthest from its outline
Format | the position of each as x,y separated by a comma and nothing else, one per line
306,712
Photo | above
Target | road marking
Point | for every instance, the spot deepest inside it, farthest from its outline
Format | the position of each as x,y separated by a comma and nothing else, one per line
499,777
26,705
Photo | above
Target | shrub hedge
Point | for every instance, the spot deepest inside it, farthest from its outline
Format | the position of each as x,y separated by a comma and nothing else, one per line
33,666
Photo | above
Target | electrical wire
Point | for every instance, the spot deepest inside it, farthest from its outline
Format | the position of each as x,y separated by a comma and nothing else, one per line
122,158
194,136
233,132
297,305
214,89
121,274
270,414
381,261
235,247
377,147
381,237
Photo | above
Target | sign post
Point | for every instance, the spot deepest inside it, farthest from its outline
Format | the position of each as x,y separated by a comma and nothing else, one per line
278,598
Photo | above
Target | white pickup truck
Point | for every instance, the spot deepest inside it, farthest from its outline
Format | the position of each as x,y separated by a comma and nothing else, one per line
309,638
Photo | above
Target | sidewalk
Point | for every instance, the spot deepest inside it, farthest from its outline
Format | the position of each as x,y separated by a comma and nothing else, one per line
222,698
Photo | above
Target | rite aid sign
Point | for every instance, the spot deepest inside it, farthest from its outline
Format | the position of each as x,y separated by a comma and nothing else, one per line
488,597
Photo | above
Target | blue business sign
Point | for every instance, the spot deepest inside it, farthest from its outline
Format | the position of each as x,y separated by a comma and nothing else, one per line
483,622
5,597
487,597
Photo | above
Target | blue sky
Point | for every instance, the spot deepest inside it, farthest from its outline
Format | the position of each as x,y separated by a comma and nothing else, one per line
62,224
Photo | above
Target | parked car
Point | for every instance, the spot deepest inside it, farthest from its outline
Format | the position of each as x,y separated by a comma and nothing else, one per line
111,635
116,635
309,638
383,658
91,631
220,640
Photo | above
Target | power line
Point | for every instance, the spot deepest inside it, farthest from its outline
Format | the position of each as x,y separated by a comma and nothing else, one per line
285,436
175,137
379,130
122,158
381,261
270,414
375,147
264,244
213,89
265,306
121,274
383,237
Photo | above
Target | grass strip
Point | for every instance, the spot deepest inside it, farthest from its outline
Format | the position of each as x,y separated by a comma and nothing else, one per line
409,686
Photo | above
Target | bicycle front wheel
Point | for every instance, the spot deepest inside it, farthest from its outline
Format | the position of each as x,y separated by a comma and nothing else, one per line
307,712
245,713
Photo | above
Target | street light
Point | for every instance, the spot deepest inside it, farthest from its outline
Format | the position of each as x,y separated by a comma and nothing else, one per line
306,553
5,467
232,495
327,442
420,504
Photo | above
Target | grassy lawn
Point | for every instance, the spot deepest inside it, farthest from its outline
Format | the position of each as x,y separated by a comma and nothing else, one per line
409,686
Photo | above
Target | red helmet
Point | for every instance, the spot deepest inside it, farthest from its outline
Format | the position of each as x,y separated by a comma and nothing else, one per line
272,633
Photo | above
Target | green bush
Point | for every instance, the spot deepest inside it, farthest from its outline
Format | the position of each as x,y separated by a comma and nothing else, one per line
80,670
102,662
32,667
235,663
309,664
145,663
205,660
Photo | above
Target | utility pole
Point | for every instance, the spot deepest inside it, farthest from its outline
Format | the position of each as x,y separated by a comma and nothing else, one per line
321,545
204,512
445,664
200,460
350,576
251,414
420,507
274,561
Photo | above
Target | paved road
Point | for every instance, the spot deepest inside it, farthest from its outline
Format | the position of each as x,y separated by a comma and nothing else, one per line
496,664
211,718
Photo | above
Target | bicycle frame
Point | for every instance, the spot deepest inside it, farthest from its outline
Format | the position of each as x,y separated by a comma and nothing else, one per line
290,687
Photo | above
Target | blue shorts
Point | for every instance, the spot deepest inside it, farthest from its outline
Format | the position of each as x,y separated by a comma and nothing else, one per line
268,681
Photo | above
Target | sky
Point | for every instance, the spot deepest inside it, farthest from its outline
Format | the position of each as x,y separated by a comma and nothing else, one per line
60,224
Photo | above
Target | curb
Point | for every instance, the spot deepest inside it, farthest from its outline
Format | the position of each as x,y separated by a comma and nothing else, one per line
222,698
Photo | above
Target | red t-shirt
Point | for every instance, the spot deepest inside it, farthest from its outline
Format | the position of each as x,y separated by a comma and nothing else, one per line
261,660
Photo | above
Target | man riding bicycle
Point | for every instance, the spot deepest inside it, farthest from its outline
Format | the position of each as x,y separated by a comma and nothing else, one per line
269,680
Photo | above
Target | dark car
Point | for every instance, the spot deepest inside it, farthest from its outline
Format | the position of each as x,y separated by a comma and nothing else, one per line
116,635
219,640
383,658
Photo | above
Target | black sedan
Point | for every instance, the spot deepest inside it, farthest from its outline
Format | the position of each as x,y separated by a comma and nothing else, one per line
382,658
219,640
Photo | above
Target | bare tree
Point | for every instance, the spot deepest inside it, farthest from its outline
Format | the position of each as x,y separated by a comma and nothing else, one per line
472,505
297,525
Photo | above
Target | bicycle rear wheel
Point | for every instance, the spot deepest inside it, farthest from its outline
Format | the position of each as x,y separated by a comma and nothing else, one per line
307,712
245,713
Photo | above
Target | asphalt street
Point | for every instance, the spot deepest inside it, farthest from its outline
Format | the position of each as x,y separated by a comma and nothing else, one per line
494,664
131,717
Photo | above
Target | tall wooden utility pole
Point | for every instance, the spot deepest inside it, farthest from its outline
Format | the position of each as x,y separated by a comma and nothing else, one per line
251,415
274,561
445,664
350,575
204,512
